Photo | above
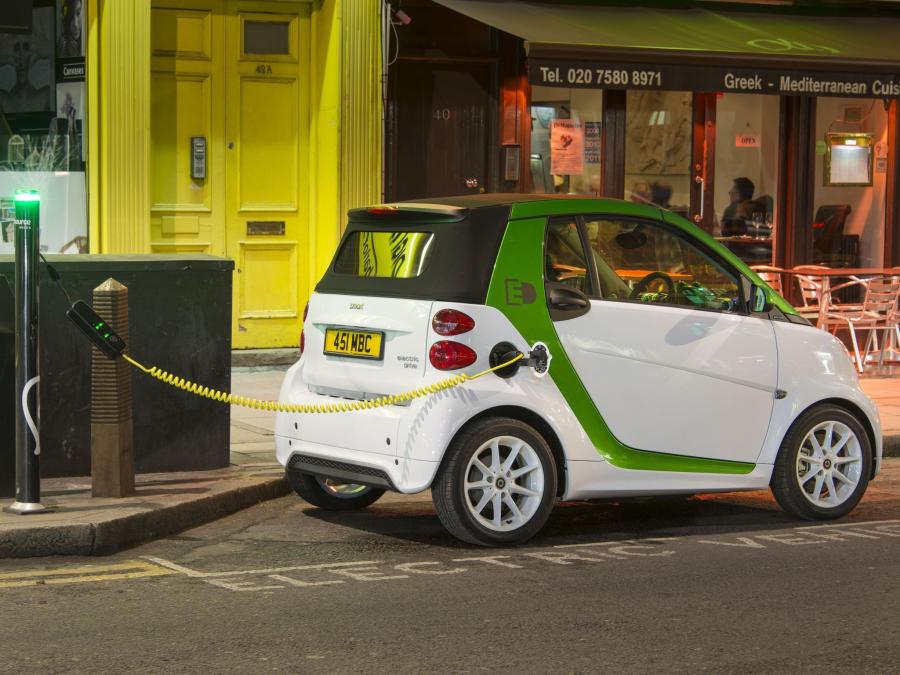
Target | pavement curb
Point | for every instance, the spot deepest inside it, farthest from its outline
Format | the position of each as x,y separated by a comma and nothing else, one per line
259,358
116,534
892,446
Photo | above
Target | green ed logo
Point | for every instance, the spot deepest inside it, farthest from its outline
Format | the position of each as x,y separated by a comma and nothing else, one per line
519,292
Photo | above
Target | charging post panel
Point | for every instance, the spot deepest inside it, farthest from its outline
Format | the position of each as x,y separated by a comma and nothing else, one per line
27,243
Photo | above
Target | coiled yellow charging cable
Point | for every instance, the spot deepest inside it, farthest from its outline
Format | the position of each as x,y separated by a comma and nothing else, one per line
276,406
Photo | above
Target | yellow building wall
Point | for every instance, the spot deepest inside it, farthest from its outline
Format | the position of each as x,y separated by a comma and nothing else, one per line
344,118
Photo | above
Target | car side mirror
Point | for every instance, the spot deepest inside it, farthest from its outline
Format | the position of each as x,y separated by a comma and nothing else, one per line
756,297
758,300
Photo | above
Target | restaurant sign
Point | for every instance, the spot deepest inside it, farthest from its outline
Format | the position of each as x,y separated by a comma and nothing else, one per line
612,75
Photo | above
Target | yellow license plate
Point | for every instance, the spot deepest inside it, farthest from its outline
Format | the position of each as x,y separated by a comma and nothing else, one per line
357,343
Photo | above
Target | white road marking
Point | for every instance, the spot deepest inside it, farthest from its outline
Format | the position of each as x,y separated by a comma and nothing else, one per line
313,575
491,560
202,575
618,542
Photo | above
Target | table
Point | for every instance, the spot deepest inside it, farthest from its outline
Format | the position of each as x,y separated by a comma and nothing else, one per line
637,275
826,274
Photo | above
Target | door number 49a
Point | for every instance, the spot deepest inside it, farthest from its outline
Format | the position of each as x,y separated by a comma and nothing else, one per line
264,69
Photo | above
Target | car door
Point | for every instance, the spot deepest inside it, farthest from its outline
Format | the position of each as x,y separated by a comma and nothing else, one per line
666,351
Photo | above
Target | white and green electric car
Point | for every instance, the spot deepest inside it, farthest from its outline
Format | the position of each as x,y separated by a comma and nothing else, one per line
673,368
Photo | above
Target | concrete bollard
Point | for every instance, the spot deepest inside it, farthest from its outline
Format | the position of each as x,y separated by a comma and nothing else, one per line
112,436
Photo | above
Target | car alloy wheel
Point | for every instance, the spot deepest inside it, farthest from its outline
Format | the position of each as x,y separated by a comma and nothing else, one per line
829,464
823,465
497,484
331,494
343,490
504,483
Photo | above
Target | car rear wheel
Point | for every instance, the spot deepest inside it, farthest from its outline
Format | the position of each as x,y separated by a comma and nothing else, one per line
497,485
823,465
333,495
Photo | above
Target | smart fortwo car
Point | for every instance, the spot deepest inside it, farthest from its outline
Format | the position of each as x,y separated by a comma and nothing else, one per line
670,368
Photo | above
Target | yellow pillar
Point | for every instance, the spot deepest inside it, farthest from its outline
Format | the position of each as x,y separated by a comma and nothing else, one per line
119,57
345,119
361,127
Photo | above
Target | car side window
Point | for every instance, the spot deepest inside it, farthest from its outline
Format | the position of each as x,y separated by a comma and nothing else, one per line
644,261
565,259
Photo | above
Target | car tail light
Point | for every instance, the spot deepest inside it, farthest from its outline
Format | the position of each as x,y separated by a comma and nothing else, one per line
302,336
452,322
449,355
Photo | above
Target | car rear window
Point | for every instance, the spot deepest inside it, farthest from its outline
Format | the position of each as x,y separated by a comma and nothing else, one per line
399,254
413,252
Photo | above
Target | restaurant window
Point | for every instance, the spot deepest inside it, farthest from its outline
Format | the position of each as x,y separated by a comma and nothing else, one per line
42,122
658,148
746,175
565,140
851,168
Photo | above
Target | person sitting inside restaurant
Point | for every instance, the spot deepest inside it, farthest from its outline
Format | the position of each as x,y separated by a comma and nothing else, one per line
738,212
660,194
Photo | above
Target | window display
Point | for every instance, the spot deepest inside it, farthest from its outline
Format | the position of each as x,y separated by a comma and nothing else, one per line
42,123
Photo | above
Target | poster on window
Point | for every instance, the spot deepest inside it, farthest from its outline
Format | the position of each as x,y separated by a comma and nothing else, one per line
26,66
566,147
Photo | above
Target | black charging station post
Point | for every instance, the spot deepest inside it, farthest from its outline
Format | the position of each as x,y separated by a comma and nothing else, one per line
28,477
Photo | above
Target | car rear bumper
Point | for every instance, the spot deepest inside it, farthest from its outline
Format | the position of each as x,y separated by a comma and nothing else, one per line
388,472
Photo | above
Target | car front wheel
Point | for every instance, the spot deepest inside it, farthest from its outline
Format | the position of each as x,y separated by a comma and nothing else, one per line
331,494
498,483
823,465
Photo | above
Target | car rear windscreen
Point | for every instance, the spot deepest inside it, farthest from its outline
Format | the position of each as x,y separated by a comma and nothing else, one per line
399,254
419,255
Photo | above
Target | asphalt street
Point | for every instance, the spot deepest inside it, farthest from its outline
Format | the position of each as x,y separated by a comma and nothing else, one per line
722,583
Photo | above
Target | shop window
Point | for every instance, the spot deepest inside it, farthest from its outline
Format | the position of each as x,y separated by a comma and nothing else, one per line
851,168
42,118
640,261
565,140
746,175
658,148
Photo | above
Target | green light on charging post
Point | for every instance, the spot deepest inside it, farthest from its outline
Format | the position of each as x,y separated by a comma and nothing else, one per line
27,196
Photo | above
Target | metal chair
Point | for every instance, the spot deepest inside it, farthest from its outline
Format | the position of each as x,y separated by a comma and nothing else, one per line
812,292
877,312
771,275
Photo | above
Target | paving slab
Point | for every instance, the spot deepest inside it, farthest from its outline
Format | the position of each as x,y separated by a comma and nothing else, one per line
164,503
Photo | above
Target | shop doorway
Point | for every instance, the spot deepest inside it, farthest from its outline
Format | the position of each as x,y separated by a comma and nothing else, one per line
442,122
229,152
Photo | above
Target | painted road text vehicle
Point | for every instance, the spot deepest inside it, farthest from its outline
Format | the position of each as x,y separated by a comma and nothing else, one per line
673,368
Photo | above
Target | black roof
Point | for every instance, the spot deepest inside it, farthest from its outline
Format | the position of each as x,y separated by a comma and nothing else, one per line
477,201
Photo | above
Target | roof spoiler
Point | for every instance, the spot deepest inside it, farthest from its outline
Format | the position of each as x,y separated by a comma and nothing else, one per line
409,213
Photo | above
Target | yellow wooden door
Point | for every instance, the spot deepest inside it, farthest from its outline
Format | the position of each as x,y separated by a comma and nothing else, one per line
266,168
187,83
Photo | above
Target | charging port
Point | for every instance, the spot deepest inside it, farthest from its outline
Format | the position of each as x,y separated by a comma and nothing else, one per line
501,353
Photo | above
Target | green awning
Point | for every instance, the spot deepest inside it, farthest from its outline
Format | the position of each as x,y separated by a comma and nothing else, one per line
754,38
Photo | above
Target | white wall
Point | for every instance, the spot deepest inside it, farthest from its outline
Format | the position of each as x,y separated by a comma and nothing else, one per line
867,217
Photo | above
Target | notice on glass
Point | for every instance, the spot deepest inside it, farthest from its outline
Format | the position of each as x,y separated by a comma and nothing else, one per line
592,142
850,165
566,147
